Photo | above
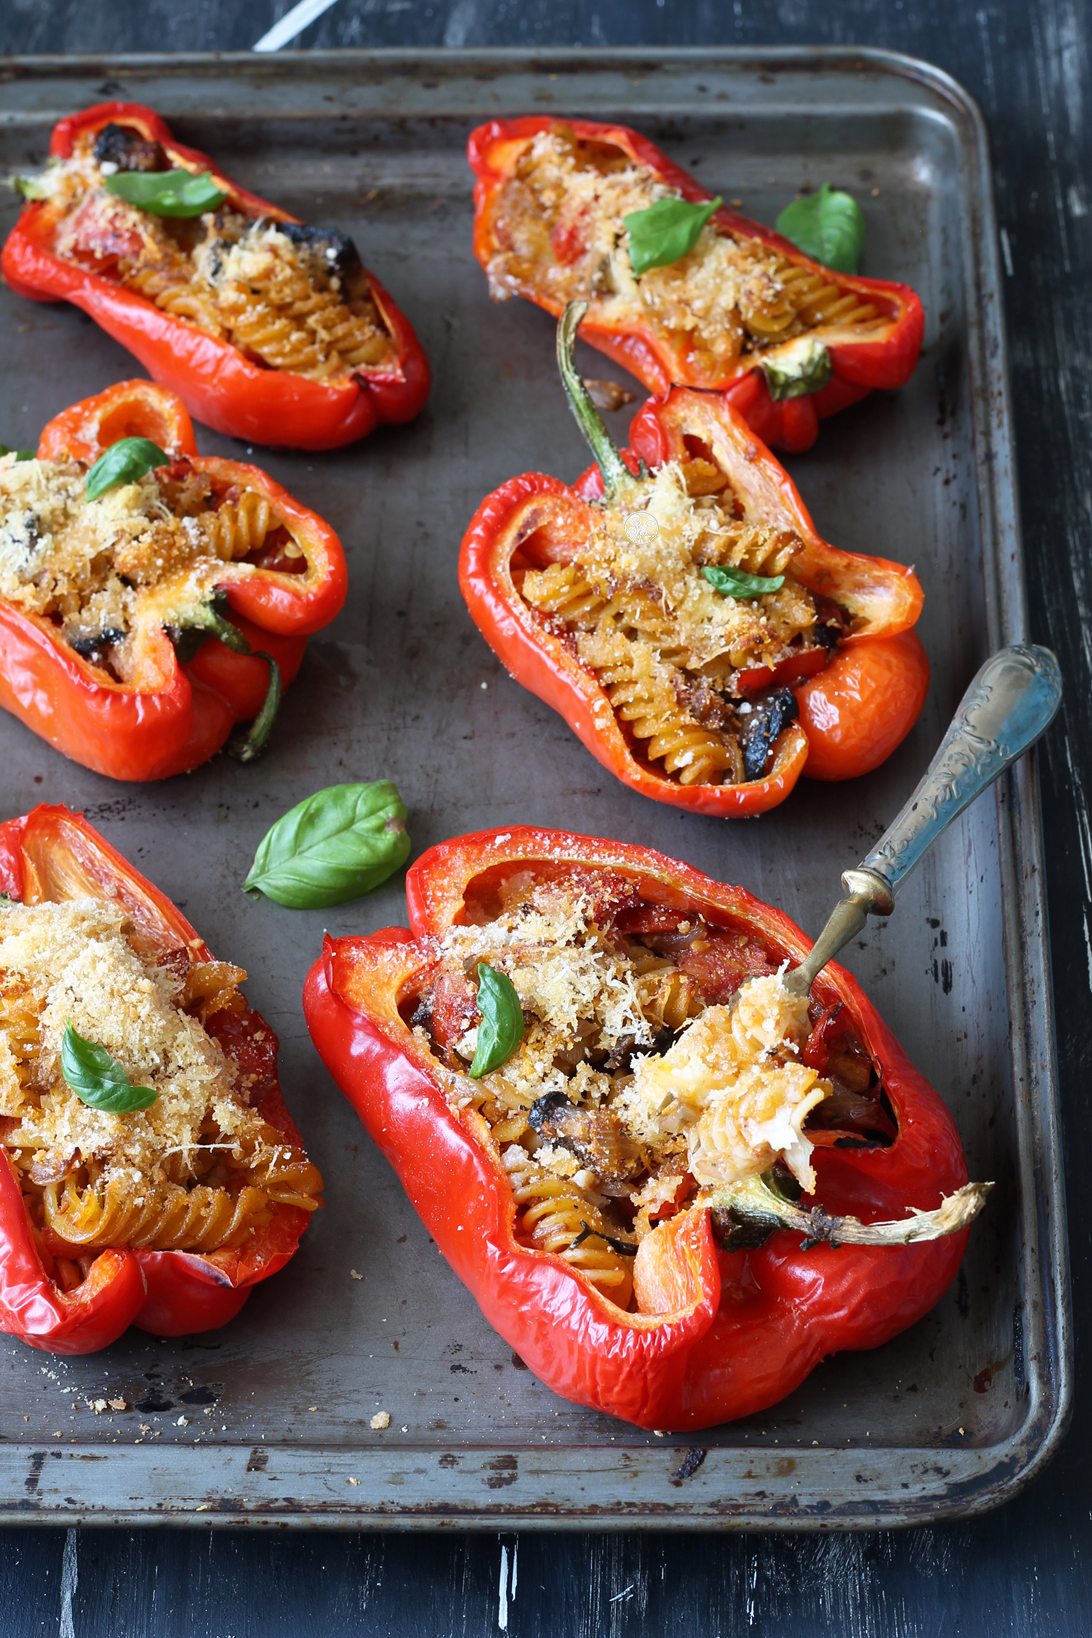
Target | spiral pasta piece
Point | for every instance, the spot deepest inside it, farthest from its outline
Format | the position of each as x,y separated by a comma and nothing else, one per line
642,696
282,319
240,526
552,1213
168,1218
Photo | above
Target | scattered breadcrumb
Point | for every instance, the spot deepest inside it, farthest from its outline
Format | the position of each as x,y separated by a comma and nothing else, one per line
353,1275
117,1404
381,1419
354,1481
183,1422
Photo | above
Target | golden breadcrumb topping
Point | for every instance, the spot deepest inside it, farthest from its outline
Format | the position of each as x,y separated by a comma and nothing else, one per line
74,962
559,228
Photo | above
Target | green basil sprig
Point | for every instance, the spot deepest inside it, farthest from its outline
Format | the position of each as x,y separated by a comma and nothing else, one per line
828,225
666,231
167,193
734,583
98,1079
20,454
123,462
501,1029
336,845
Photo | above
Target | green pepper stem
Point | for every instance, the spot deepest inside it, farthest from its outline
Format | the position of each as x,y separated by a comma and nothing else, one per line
249,745
617,478
246,747
203,617
751,1205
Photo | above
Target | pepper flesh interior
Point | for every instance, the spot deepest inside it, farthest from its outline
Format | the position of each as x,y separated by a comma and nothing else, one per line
289,298
558,226
199,1169
632,1088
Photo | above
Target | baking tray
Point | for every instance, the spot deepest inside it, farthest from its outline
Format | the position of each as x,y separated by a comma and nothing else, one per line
268,1421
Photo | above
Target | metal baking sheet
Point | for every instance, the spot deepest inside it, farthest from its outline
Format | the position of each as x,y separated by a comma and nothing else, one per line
268,1421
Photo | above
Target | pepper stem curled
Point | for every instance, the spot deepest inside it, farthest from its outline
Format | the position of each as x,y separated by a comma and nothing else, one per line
749,1211
617,478
245,747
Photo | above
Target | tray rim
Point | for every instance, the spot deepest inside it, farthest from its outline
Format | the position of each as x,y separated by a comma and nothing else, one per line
1007,1466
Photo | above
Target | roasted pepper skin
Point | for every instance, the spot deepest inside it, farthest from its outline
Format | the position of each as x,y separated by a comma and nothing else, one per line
174,716
732,1332
860,367
215,381
853,712
169,1293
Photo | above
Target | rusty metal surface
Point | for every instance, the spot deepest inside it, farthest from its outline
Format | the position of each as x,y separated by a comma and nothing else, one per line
268,1421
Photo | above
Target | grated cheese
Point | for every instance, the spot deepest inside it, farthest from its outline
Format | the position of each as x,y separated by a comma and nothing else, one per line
104,568
77,964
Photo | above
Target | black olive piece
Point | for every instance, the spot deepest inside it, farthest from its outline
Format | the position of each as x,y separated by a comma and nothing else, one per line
128,150
327,250
827,636
770,713
89,648
422,1017
543,1110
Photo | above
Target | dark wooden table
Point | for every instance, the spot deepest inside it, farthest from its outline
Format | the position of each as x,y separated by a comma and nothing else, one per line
1028,1568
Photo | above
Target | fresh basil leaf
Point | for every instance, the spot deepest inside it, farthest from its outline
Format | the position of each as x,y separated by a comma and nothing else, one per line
501,1029
123,462
665,231
338,844
20,454
97,1078
167,193
828,225
734,583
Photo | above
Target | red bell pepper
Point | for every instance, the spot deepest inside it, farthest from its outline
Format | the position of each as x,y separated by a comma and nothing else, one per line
215,380
882,356
52,854
856,701
879,356
717,1334
171,716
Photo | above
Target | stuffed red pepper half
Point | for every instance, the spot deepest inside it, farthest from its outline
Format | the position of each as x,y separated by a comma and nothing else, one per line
678,608
671,1186
267,329
150,1173
152,598
557,206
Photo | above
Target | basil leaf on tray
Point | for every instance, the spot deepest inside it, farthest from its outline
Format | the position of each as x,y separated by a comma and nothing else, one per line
666,231
336,845
167,193
828,226
123,462
98,1079
501,1029
734,583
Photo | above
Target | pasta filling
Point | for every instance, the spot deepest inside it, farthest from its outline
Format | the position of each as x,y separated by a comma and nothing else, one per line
558,226
685,668
288,297
109,573
635,1084
197,1170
